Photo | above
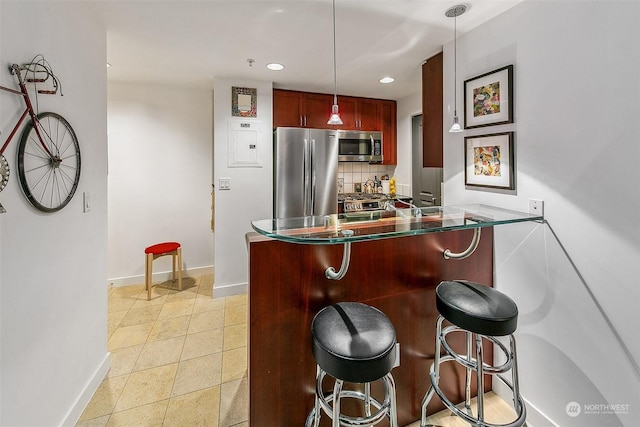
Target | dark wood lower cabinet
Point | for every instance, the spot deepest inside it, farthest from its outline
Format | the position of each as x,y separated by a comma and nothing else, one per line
287,287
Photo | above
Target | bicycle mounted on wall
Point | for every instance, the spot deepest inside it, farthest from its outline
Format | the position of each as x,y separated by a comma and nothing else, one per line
48,153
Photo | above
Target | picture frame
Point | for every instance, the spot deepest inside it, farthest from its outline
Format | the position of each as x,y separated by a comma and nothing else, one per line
243,102
489,161
488,98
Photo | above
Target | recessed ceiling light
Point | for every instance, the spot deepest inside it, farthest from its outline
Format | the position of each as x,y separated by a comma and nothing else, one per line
275,66
387,80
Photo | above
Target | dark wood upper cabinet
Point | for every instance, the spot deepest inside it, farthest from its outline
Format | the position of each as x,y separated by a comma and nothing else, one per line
432,115
301,109
360,113
317,110
312,110
389,133
348,112
288,104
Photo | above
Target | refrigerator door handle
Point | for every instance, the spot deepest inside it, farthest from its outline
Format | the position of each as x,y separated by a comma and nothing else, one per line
306,169
312,191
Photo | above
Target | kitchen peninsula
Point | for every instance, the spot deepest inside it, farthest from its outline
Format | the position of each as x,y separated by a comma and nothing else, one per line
392,260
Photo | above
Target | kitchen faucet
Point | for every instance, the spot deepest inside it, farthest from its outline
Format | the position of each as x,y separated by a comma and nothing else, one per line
416,212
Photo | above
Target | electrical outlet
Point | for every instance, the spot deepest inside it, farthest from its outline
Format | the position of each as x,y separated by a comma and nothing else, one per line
536,207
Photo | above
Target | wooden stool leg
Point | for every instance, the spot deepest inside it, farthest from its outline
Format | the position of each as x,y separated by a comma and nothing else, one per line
174,255
179,268
148,263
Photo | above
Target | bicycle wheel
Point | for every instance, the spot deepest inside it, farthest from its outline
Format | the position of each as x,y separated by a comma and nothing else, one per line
49,174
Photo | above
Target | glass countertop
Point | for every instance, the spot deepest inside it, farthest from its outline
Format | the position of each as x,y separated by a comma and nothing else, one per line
382,224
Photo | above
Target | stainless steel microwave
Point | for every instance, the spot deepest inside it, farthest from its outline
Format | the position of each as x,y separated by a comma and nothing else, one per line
359,146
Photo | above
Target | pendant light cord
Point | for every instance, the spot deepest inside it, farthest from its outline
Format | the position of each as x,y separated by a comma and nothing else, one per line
335,84
455,65
453,13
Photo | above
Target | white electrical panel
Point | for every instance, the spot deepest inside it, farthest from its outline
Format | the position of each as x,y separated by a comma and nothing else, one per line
244,147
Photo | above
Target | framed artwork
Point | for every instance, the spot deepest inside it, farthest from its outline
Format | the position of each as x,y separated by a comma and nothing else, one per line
243,101
489,161
488,99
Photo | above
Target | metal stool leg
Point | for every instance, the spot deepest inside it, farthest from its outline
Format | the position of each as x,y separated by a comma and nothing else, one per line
435,367
313,419
367,399
337,389
393,409
514,375
480,379
316,407
467,382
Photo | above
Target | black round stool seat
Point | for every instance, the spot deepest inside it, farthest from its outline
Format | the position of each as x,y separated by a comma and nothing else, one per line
353,342
477,308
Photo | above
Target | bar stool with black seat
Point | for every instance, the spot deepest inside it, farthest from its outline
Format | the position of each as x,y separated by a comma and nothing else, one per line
355,343
480,312
156,251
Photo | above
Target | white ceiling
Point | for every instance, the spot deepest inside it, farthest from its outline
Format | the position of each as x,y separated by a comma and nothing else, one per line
188,42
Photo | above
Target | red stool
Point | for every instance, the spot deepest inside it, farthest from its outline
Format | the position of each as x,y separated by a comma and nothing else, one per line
162,249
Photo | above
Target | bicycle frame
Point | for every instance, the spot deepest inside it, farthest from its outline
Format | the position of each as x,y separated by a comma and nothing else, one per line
48,153
15,69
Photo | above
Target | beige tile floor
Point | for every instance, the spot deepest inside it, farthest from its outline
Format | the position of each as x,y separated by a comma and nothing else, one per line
177,360
181,360
496,411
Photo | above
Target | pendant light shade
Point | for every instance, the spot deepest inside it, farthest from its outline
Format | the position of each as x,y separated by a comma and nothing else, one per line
454,12
335,114
455,127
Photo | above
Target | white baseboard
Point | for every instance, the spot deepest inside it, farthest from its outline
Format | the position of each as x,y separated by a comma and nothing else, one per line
158,277
535,418
87,393
229,290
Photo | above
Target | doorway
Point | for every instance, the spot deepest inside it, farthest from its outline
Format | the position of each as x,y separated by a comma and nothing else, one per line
426,183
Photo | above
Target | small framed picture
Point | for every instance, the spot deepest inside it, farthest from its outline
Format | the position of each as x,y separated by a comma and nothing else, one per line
243,101
488,99
489,161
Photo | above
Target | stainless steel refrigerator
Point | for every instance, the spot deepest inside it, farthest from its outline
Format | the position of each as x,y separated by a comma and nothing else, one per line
305,172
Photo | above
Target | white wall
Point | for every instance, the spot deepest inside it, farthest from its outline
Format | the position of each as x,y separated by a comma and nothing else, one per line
53,305
250,196
160,148
576,278
407,108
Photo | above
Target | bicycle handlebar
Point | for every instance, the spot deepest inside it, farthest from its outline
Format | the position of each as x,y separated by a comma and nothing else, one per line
37,67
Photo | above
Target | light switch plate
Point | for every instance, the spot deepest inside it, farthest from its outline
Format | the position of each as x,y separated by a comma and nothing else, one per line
86,202
224,184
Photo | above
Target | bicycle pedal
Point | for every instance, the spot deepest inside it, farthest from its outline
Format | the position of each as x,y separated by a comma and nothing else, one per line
47,92
36,80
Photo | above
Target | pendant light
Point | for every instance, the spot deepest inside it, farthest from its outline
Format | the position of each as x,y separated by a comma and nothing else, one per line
454,12
335,115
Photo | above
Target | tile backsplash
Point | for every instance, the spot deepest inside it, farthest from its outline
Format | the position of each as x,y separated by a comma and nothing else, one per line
350,173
